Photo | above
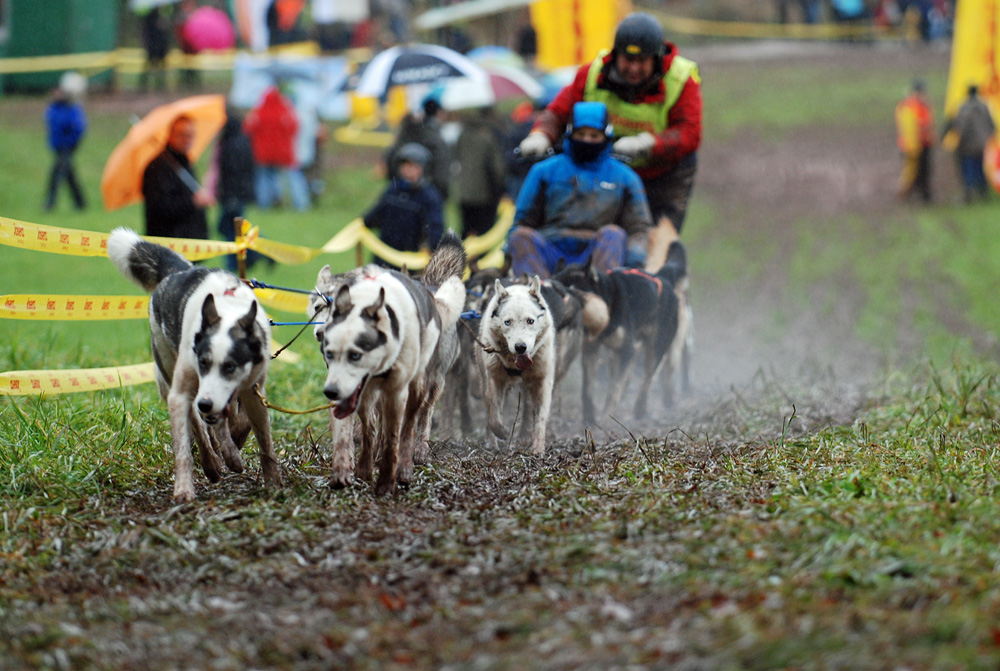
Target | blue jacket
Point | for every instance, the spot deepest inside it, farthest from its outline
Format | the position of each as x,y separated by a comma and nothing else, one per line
407,215
66,124
559,193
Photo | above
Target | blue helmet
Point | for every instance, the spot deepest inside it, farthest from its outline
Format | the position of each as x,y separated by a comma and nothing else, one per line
591,115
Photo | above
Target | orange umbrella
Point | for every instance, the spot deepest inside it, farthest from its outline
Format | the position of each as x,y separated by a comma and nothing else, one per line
121,183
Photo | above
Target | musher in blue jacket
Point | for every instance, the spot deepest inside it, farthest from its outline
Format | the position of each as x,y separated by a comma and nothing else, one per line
580,204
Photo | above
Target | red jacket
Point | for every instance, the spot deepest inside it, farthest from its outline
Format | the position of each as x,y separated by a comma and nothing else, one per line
682,136
272,126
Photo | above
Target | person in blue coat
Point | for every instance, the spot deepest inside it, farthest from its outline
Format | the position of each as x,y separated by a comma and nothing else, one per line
410,212
581,204
65,123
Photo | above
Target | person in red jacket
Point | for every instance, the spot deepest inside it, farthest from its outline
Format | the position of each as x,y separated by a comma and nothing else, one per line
654,101
271,127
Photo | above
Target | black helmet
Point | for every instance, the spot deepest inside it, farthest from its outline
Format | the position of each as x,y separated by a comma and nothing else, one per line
639,34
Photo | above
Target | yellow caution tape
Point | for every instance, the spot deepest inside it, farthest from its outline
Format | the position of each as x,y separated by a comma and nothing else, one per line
73,242
51,382
286,301
493,259
346,239
352,134
52,239
476,245
73,308
283,252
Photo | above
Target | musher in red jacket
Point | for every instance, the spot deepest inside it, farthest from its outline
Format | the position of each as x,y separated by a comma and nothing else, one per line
653,97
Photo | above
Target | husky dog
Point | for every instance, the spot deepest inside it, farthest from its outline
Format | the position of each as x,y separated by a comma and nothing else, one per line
387,343
645,312
210,343
518,334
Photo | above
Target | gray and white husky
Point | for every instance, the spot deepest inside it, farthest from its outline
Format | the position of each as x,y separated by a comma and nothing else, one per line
210,344
520,348
387,343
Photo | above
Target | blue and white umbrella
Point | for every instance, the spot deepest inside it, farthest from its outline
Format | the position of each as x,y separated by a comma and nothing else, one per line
414,64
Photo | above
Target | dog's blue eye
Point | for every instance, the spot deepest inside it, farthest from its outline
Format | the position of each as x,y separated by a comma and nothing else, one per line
506,322
354,356
328,356
228,368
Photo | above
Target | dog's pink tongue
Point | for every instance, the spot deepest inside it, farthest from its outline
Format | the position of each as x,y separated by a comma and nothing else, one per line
522,362
349,405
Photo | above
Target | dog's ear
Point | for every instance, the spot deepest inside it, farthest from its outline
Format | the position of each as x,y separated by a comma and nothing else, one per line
209,315
246,322
535,286
325,275
342,303
499,289
372,310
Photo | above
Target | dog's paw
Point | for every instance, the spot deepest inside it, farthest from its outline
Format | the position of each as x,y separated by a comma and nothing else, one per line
183,494
272,475
405,474
385,486
340,479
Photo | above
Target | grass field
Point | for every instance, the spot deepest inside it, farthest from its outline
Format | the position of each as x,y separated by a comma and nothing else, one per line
778,521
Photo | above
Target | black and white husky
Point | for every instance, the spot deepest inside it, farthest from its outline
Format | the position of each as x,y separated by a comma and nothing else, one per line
210,343
387,343
518,335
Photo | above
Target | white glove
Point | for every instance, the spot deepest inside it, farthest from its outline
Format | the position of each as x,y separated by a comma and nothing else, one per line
535,144
635,146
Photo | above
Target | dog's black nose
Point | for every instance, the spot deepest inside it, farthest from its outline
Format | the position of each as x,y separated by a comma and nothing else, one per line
520,348
332,393
205,406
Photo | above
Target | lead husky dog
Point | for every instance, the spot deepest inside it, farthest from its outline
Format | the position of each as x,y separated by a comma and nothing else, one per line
519,339
387,343
210,343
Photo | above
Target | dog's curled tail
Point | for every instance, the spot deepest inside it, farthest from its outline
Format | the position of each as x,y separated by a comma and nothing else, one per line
145,263
448,260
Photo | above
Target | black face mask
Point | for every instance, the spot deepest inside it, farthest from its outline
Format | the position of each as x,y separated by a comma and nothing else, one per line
585,152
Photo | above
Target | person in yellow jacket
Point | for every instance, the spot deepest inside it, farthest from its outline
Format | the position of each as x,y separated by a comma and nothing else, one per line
915,137
653,97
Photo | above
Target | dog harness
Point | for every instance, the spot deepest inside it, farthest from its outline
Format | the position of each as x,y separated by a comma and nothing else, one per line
642,273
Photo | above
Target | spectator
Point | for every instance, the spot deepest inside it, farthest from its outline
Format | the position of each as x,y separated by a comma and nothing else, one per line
915,137
974,125
156,42
481,173
523,117
581,204
231,178
66,123
409,213
653,97
284,22
190,77
175,202
425,130
272,126
336,20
